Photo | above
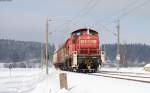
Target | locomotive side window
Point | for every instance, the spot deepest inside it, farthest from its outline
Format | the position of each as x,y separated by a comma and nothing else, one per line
78,33
92,32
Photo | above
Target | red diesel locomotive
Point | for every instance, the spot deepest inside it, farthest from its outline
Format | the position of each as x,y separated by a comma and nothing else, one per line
81,52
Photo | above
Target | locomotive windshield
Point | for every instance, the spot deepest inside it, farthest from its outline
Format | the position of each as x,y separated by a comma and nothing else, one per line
84,31
91,32
76,33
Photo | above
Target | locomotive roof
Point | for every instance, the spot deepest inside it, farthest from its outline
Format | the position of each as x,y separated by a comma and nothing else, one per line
83,29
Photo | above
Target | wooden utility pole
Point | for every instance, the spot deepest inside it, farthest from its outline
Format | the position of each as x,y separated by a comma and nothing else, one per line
118,45
42,56
46,47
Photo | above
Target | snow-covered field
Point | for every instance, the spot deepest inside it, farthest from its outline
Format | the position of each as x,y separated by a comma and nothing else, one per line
36,81
19,80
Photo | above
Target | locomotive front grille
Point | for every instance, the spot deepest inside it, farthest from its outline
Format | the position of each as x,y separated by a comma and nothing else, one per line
93,51
83,51
88,51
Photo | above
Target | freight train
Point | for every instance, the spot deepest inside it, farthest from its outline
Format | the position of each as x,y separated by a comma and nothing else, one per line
80,52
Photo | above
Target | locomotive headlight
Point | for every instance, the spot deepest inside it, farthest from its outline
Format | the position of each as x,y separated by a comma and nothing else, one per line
85,41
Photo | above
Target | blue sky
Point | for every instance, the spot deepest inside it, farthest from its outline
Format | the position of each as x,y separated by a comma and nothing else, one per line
25,19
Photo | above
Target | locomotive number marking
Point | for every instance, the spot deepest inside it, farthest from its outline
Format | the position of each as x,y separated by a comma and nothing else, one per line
85,41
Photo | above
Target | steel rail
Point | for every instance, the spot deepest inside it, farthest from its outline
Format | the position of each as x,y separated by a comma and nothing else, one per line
119,76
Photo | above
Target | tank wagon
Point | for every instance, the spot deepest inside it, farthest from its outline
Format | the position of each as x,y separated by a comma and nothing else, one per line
80,52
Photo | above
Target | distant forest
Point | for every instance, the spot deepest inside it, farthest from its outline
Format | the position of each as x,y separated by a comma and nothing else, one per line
16,51
131,54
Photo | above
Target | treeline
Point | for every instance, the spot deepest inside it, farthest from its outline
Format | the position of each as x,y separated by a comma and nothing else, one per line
131,54
15,51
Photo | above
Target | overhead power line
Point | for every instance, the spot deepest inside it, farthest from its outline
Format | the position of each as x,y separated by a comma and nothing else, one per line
85,7
118,12
126,11
91,4
126,7
88,10
135,8
85,13
82,13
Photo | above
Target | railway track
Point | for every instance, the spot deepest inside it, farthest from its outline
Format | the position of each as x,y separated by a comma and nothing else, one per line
131,74
140,77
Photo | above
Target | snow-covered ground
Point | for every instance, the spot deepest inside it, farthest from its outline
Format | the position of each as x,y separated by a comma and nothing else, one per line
19,80
91,84
36,81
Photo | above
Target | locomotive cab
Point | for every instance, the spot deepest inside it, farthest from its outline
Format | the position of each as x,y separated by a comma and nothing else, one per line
85,41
